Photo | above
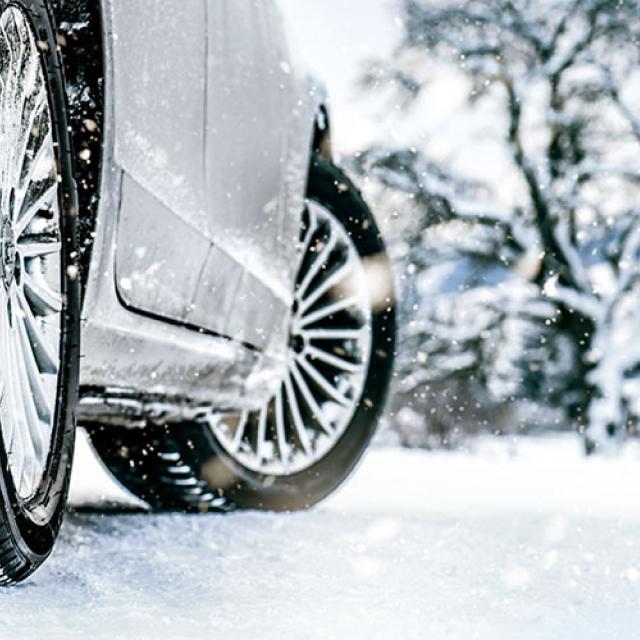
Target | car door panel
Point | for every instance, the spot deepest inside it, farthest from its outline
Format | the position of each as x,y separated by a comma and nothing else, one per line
217,166
255,167
220,282
231,301
146,274
159,105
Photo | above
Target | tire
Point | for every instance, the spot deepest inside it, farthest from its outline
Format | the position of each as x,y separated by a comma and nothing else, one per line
160,465
39,301
206,470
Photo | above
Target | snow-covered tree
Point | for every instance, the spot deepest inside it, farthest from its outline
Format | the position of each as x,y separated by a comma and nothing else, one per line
536,295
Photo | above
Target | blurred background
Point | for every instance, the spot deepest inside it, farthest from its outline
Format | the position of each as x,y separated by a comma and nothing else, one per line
498,143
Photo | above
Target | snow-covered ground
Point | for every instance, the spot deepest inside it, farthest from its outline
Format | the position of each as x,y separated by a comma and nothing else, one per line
517,539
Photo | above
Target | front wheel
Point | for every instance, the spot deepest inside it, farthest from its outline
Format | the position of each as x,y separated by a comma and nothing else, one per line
39,299
302,444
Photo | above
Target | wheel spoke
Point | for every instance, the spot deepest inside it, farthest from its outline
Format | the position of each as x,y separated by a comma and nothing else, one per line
318,414
239,435
322,382
39,108
297,418
335,334
37,392
280,430
319,260
45,356
262,433
21,431
44,300
327,311
333,360
33,397
28,213
326,286
39,249
33,171
10,426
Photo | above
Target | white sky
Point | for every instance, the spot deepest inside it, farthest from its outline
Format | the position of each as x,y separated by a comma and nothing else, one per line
336,37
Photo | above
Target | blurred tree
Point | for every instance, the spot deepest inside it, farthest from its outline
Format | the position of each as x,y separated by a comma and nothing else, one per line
535,300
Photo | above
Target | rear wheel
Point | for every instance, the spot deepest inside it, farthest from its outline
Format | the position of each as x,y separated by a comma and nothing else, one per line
301,444
39,304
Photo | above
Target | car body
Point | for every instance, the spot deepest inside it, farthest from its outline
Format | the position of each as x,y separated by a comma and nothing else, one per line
220,168
184,271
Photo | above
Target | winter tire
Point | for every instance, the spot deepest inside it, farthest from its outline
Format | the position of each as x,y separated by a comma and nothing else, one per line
300,445
39,303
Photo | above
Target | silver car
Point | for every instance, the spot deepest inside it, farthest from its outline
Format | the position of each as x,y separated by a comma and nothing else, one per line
184,271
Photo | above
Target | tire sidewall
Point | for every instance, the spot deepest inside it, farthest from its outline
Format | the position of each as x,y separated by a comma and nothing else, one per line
34,524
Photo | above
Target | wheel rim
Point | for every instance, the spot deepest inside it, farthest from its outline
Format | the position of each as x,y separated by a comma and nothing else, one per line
30,257
328,359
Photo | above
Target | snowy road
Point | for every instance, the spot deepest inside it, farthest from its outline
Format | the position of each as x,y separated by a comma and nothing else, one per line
525,541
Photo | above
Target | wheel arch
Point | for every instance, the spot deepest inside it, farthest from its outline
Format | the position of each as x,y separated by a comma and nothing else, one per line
80,37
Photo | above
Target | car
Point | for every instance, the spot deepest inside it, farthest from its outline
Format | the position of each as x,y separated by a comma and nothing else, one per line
185,271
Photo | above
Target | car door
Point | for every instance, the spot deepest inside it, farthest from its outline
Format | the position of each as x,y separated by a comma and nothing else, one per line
158,56
258,138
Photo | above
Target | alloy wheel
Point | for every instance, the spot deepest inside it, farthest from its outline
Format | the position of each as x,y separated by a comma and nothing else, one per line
30,256
327,363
